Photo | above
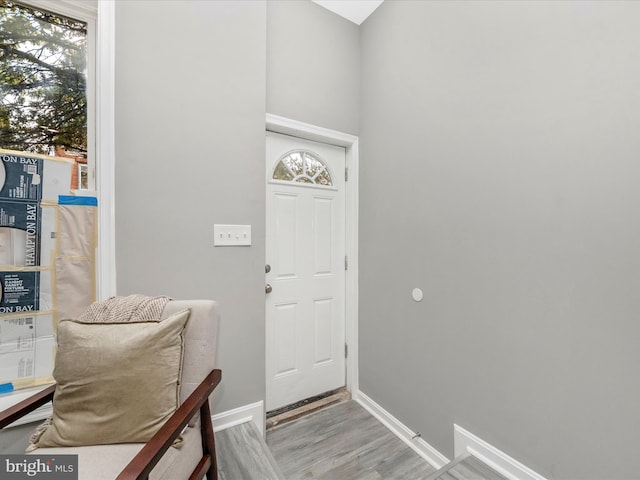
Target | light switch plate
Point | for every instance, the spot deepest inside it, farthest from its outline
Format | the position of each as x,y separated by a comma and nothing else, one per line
231,235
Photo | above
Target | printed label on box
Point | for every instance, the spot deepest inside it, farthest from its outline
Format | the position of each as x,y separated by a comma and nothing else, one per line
19,292
27,347
20,234
20,176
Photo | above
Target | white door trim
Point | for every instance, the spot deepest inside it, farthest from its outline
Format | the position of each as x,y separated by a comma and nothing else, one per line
307,131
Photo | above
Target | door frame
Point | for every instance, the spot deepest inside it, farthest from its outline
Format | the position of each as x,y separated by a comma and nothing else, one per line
306,131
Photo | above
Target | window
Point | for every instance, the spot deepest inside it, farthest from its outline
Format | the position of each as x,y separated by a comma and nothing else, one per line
93,14
44,72
302,167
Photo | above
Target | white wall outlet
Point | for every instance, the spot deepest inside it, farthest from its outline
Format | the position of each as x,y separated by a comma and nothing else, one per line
231,235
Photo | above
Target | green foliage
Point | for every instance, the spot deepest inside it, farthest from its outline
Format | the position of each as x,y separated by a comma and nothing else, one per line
42,80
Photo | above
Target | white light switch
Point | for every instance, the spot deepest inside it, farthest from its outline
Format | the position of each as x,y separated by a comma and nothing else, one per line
231,235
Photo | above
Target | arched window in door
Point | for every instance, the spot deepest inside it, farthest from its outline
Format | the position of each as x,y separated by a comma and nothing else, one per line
303,167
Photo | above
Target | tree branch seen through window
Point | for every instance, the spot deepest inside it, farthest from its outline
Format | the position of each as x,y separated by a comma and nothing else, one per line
43,81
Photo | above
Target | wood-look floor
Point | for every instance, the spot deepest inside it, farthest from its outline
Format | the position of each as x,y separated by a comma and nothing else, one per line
343,442
339,442
467,467
242,454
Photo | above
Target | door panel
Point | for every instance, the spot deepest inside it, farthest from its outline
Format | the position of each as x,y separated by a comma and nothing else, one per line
322,315
285,218
305,246
323,235
285,324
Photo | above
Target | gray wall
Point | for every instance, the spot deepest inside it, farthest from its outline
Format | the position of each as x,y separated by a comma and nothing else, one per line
313,65
500,141
190,105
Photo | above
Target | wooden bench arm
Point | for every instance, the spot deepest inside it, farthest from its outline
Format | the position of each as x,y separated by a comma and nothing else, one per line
28,405
147,458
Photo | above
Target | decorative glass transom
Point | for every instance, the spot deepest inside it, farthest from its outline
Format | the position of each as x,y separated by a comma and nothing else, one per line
304,167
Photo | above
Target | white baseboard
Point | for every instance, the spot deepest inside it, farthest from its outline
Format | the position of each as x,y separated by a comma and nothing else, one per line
253,412
422,448
466,442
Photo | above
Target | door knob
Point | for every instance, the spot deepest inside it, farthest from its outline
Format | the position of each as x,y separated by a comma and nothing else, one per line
267,268
268,288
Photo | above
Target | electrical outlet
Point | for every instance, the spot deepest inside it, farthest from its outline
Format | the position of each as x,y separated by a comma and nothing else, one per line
231,235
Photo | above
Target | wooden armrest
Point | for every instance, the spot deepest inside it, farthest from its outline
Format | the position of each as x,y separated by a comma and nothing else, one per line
28,405
142,464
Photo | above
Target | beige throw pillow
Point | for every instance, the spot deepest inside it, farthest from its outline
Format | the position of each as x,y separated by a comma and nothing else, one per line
116,382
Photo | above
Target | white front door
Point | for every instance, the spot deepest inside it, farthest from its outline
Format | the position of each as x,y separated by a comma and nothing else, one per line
305,249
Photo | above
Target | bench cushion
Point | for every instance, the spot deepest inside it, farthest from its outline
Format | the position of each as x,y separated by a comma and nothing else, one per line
105,462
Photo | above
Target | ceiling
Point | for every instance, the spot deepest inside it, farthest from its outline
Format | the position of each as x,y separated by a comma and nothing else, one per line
356,11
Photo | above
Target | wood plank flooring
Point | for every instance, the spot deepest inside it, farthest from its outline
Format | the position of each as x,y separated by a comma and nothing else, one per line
343,442
340,442
466,467
243,455
471,469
